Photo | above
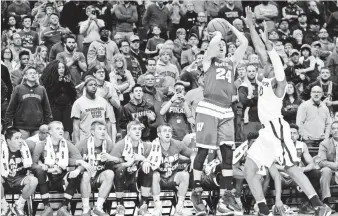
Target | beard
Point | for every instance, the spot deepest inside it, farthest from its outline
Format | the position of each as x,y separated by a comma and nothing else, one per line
104,38
70,49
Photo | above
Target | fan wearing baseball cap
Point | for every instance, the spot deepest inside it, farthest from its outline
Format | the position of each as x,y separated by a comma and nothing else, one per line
137,53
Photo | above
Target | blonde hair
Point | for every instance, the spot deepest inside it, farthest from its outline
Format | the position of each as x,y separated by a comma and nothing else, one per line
119,57
166,50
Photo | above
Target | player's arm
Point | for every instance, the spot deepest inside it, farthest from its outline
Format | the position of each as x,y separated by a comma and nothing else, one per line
212,50
308,159
276,63
240,51
256,40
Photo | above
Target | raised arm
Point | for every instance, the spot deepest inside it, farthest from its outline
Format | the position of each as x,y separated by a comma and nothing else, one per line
212,50
256,40
240,51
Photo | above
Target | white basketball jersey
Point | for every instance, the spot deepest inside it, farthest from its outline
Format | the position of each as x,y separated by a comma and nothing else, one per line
269,105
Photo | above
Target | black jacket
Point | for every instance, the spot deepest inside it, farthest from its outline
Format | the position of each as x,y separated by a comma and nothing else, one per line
28,108
132,111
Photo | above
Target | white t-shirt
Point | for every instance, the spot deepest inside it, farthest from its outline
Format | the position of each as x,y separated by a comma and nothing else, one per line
87,111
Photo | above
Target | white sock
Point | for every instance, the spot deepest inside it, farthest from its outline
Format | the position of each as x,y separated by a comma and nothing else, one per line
262,201
20,202
99,202
85,205
4,202
156,198
181,200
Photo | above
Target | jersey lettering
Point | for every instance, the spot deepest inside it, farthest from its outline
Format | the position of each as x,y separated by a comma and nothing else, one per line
260,90
221,73
200,126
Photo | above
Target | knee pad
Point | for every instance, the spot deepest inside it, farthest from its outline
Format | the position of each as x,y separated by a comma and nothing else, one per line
227,154
200,158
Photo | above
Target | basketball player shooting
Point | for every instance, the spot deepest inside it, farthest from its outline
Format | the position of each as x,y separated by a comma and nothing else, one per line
214,119
274,141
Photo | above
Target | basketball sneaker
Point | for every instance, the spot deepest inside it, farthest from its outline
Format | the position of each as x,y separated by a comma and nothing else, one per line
239,202
18,210
260,214
143,210
157,209
63,211
120,210
6,210
99,212
86,213
227,204
179,210
323,211
196,199
47,212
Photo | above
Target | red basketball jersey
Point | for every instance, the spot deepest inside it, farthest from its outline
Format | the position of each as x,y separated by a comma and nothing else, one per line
219,83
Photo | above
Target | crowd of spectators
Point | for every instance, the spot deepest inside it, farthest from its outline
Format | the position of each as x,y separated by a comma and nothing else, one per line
143,61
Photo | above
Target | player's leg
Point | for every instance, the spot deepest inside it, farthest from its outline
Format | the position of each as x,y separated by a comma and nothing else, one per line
156,190
73,185
226,140
85,189
146,181
182,180
5,207
28,185
255,185
41,175
119,181
206,137
105,180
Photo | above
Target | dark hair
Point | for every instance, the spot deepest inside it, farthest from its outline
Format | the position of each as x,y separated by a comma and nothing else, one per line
103,28
123,40
200,53
69,36
54,14
178,84
97,67
294,126
136,86
3,53
6,25
153,26
295,94
252,136
10,132
50,80
64,36
23,52
26,17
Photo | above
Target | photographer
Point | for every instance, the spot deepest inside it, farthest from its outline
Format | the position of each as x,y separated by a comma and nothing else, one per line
90,28
177,113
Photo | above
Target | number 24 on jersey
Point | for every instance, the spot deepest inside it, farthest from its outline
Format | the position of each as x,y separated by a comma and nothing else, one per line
222,74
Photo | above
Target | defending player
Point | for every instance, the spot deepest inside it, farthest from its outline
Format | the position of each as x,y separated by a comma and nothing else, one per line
274,141
93,150
214,120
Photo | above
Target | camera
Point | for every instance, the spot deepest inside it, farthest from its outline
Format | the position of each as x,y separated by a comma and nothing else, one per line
95,12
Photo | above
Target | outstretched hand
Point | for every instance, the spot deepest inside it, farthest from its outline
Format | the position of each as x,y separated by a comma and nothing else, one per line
249,19
265,37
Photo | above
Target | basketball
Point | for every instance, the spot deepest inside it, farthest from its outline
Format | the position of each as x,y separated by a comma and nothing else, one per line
220,25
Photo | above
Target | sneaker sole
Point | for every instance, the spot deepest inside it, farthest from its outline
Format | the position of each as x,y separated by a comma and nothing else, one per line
218,213
200,213
328,213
